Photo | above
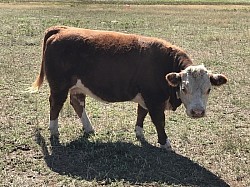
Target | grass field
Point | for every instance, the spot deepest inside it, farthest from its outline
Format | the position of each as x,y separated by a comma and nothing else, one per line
213,151
144,2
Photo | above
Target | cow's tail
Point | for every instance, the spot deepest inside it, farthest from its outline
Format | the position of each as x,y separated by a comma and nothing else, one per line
40,78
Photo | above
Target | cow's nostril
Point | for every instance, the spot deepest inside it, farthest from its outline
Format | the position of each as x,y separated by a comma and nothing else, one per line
203,112
192,112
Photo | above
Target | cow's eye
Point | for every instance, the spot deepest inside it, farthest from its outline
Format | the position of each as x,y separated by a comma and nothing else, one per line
208,91
184,90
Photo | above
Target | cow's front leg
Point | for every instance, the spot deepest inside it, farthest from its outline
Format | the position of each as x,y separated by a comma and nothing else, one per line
141,114
158,118
56,103
78,103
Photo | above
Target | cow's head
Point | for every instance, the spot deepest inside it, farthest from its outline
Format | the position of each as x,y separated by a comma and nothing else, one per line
194,84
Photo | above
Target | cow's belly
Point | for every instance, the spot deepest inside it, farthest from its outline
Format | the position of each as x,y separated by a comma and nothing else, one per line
139,99
80,88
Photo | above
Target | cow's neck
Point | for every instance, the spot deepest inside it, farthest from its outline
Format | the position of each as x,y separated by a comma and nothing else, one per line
180,62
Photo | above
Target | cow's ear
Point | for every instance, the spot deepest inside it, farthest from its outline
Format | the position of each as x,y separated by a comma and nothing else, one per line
173,79
218,79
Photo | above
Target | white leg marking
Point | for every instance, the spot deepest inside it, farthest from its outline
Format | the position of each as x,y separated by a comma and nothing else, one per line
167,146
86,123
139,132
53,127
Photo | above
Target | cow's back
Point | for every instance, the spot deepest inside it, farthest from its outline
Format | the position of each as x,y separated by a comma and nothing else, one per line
108,63
114,66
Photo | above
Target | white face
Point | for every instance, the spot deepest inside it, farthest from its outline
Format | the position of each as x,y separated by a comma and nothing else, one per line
194,84
194,88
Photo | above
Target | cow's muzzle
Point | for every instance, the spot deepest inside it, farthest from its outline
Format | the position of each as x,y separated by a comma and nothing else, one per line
197,113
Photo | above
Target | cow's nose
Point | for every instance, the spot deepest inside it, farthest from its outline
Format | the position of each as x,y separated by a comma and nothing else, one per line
197,113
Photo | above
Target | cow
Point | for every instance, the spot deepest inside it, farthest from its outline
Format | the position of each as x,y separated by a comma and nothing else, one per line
117,67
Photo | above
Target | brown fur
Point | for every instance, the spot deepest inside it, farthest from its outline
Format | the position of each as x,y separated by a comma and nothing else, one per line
123,43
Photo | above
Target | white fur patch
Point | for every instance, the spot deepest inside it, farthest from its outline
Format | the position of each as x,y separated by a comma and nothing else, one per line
193,90
167,146
53,127
139,132
139,99
86,122
79,88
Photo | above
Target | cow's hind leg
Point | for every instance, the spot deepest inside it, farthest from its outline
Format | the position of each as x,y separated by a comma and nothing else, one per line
56,103
141,114
78,103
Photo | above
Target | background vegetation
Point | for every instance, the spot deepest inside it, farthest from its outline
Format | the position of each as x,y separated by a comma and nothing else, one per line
213,151
151,2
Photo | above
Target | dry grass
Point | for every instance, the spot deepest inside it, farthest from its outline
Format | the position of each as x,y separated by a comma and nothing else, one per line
213,151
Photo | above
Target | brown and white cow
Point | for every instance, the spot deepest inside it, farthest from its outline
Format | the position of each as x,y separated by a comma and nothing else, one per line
116,67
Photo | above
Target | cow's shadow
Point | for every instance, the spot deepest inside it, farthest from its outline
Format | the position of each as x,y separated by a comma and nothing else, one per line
123,161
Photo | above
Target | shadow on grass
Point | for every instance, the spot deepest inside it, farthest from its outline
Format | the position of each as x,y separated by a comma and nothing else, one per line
107,162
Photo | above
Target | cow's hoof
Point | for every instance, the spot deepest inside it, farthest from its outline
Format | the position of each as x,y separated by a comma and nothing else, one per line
54,140
167,146
89,132
88,129
54,136
139,133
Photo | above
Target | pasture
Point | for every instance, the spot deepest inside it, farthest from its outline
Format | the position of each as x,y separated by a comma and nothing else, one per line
212,151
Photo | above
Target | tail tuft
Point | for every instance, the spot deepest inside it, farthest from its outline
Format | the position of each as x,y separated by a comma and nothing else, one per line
38,82
36,85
